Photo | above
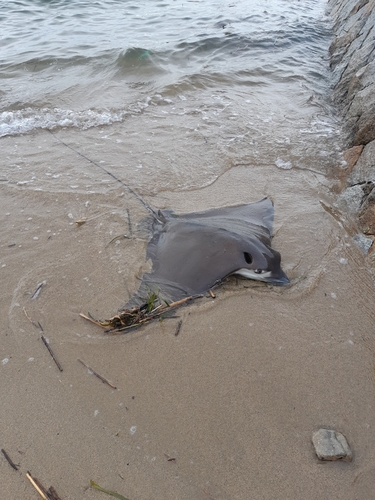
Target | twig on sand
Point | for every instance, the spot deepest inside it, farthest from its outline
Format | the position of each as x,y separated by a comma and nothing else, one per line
129,223
81,221
31,321
118,237
50,494
9,460
45,342
92,320
104,380
178,328
42,491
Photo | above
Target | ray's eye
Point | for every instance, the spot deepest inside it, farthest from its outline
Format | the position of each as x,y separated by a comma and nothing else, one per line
248,258
258,271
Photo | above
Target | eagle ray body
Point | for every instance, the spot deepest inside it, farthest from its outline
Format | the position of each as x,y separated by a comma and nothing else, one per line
191,253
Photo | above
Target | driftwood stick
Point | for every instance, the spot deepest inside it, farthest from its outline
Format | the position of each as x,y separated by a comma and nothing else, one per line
9,460
92,320
129,223
28,317
186,299
81,221
41,487
104,380
38,489
51,352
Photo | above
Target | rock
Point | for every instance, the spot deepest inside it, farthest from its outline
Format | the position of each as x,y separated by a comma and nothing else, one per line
350,200
367,219
331,445
366,132
368,194
352,60
351,157
364,169
363,79
359,6
363,242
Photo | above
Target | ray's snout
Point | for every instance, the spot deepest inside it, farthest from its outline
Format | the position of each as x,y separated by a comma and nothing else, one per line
262,263
277,275
279,278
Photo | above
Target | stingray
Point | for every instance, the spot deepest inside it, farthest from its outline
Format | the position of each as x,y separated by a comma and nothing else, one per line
191,253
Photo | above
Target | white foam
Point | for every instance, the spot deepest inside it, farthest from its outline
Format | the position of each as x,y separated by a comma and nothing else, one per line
285,165
28,119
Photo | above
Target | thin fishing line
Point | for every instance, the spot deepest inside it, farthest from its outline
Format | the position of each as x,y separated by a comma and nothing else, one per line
144,203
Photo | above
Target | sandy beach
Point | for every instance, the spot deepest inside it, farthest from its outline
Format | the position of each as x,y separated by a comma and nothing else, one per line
224,410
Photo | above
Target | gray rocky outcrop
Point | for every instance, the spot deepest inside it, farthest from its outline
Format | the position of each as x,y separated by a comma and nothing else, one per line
353,63
352,55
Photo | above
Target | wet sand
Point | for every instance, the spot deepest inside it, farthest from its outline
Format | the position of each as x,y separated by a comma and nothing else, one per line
225,409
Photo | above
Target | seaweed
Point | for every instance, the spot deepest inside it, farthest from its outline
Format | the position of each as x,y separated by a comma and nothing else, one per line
112,493
137,316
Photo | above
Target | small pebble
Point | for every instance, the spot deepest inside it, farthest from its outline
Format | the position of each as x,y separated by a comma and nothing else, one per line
331,445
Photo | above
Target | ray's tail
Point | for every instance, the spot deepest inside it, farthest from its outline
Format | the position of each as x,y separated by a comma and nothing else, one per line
144,203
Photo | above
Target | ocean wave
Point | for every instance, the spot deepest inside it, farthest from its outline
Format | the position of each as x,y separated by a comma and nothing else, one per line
26,120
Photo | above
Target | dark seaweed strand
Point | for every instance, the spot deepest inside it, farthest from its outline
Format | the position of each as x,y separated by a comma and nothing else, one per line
129,223
178,328
51,352
53,493
104,380
9,460
144,203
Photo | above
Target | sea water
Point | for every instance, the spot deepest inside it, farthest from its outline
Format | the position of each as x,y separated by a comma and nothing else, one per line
211,83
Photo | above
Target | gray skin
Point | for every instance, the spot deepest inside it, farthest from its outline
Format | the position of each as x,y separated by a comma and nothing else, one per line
191,253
